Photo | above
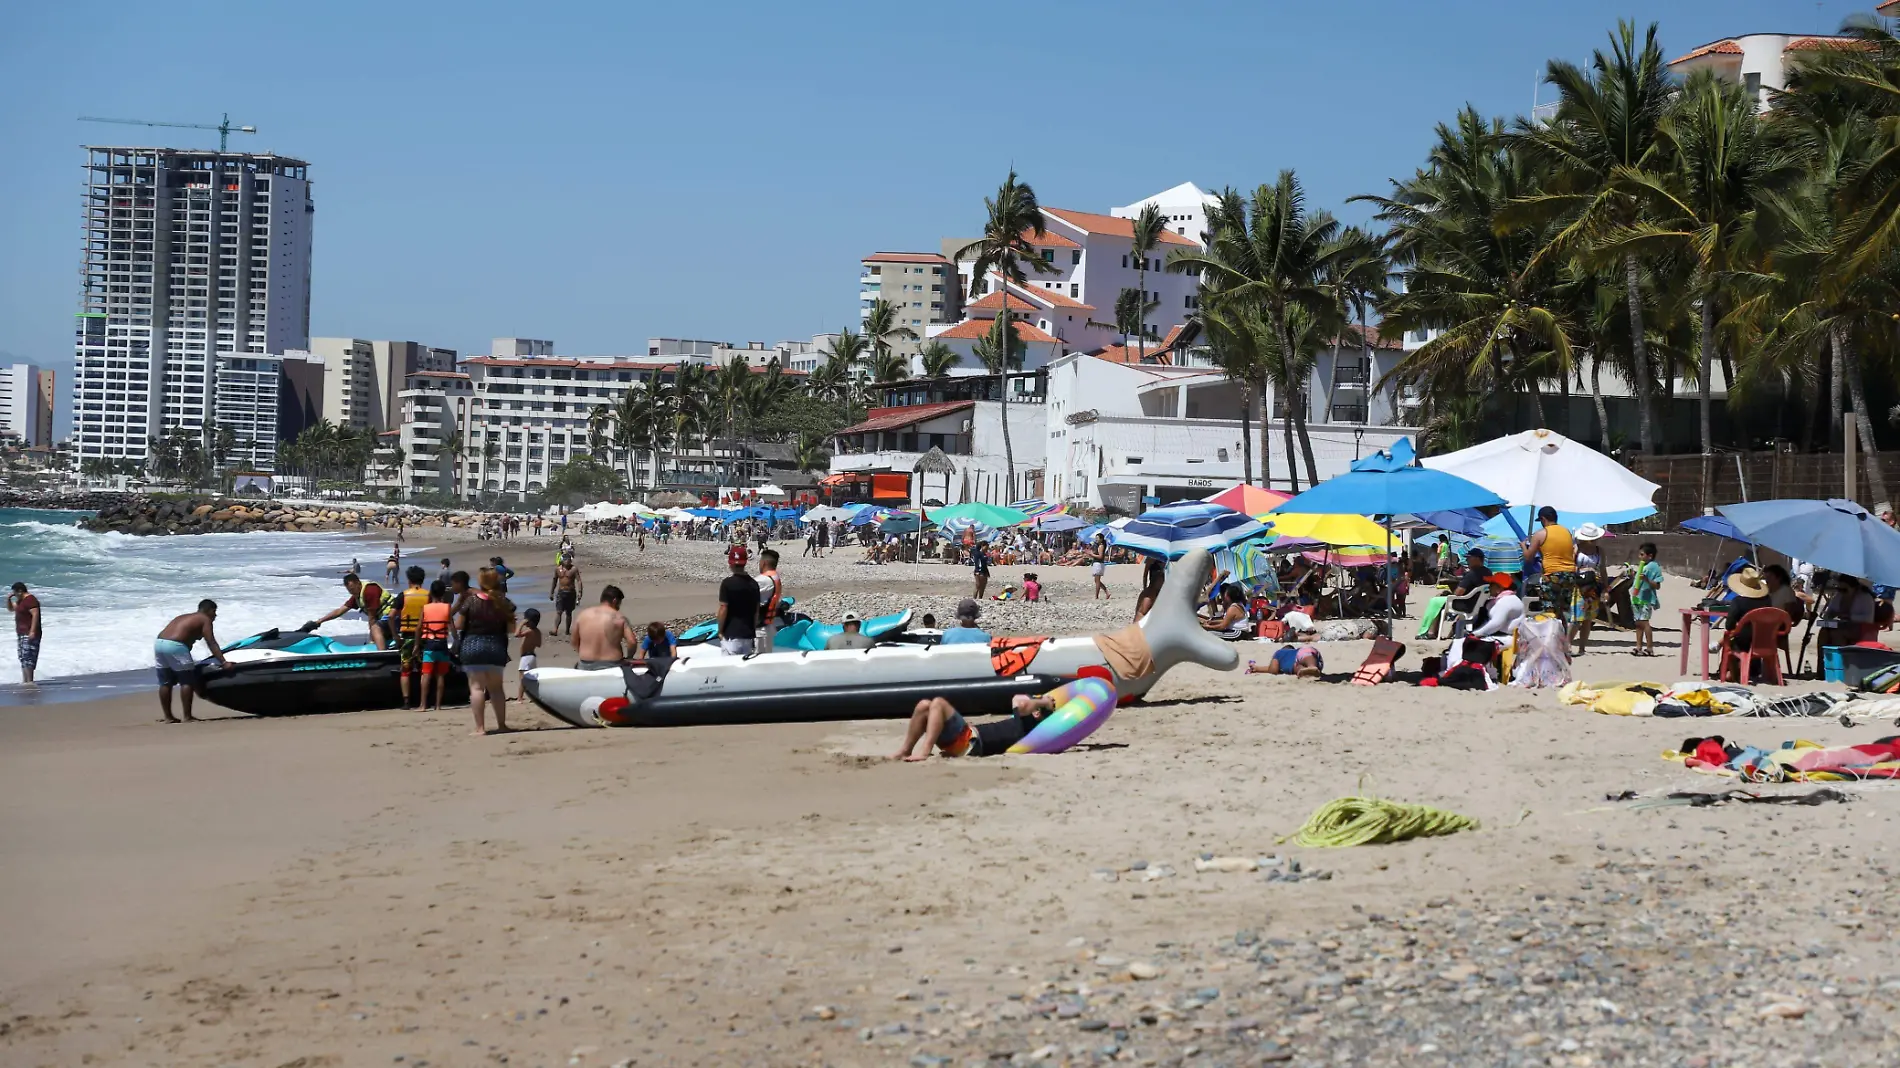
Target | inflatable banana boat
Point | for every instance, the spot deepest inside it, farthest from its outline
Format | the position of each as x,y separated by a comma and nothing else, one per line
705,686
292,673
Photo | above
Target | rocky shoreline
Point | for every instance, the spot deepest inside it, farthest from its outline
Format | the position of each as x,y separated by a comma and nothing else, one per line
142,515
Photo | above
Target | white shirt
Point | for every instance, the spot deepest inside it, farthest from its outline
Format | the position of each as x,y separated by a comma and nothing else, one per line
1506,609
1297,620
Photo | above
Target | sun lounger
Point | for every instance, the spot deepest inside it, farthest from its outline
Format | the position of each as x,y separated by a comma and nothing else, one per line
1379,663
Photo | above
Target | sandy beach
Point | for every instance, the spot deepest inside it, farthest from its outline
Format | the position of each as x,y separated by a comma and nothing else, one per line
379,888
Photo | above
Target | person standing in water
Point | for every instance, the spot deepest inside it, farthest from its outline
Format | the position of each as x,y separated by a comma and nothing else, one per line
26,628
172,654
565,591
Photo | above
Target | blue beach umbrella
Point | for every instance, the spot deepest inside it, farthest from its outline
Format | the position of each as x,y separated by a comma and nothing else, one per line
1719,526
1500,525
1838,535
956,526
1382,485
1176,530
1060,521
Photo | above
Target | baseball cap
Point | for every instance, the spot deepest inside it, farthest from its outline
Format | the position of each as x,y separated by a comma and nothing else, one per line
1500,579
851,617
967,607
736,556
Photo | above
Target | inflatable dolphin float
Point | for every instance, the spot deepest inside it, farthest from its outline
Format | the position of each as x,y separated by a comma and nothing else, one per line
710,687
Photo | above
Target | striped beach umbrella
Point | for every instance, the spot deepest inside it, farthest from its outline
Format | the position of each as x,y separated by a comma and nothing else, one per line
1178,529
958,525
1034,506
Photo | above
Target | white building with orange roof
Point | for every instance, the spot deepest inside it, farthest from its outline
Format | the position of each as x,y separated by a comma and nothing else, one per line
1760,61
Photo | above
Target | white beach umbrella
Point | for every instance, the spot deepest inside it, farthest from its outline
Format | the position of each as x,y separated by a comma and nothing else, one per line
769,490
1542,467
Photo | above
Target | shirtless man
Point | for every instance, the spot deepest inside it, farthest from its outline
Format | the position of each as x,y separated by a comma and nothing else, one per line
172,651
601,635
565,592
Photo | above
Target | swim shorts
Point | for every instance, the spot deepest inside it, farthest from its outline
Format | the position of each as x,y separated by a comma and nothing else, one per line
1641,612
29,651
174,662
527,663
956,737
564,601
410,648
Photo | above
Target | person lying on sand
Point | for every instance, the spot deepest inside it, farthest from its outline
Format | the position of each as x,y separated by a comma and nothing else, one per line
1304,661
936,722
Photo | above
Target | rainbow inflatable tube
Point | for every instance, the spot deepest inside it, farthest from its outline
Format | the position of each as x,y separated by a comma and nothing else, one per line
1081,707
706,686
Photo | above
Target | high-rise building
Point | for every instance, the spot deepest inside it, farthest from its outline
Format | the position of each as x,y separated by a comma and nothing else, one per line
189,255
364,380
921,287
26,404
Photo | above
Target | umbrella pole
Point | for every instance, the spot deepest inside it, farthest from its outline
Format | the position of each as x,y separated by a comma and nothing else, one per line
1389,576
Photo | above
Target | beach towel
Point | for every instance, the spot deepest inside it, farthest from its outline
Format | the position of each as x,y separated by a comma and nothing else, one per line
1379,662
1613,698
1541,656
1799,760
1127,652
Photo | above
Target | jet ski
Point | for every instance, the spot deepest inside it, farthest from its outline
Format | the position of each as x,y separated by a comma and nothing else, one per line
706,686
804,632
295,673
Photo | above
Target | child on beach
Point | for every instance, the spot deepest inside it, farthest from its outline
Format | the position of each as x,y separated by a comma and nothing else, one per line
1032,590
1645,596
936,722
433,637
530,634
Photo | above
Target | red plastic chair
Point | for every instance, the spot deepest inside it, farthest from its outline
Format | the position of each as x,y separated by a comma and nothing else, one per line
1766,628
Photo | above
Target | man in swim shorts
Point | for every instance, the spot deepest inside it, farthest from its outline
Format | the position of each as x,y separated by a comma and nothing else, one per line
565,592
601,635
172,653
26,629
936,722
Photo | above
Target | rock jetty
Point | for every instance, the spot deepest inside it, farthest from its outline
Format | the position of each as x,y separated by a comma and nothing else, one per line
216,515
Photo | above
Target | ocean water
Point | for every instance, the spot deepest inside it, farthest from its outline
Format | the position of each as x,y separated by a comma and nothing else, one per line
104,597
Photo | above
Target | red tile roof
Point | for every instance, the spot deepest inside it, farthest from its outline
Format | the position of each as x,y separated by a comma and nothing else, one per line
1718,48
994,301
909,415
972,329
1049,239
1112,226
904,257
1352,338
1054,298
1809,44
1157,352
1890,7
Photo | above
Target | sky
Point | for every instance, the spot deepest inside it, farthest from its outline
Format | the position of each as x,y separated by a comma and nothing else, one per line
601,173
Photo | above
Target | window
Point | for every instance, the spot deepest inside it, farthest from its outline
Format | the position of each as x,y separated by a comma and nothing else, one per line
1048,255
1124,261
1075,289
1075,257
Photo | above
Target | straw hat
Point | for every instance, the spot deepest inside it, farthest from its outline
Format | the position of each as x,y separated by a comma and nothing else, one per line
1747,583
1588,532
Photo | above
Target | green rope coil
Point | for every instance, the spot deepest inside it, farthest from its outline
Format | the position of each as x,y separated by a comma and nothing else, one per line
1352,821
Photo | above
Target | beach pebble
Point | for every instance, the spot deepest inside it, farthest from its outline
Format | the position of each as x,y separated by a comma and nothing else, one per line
1786,1010
1104,875
1141,969
1225,864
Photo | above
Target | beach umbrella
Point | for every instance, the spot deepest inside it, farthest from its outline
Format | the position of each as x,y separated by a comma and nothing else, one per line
1337,529
769,490
1177,529
1348,555
1088,533
988,514
1835,534
1516,521
1034,506
1249,500
1466,521
959,525
1542,467
1720,526
827,513
1059,521
900,523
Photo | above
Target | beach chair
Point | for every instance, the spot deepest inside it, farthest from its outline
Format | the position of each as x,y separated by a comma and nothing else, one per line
1379,662
1766,628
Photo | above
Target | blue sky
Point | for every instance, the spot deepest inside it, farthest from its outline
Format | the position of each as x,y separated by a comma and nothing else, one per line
600,173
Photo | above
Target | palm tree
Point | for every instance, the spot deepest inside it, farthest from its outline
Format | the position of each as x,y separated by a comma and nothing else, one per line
1236,332
600,419
810,454
1702,209
1481,282
888,367
689,416
1131,317
1361,277
1014,217
999,355
1282,256
1865,77
491,454
1147,227
640,422
455,447
1608,126
936,359
881,327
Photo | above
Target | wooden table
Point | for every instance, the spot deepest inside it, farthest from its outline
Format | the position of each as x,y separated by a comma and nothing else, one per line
1690,616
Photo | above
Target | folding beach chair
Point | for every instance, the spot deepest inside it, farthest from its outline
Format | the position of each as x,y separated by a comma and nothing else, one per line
1379,662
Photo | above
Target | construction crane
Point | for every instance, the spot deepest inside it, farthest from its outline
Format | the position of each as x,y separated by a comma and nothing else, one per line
225,129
